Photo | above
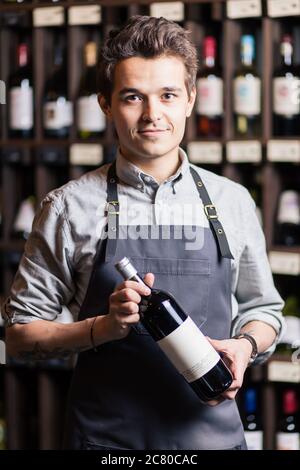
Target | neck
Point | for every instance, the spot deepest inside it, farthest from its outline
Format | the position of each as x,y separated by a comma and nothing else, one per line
160,168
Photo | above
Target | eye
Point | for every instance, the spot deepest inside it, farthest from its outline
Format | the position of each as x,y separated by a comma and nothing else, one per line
132,98
169,96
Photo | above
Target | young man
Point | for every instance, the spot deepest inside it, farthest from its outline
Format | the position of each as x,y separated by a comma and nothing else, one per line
125,394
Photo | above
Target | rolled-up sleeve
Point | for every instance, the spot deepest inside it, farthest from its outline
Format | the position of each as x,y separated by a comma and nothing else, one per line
255,296
43,282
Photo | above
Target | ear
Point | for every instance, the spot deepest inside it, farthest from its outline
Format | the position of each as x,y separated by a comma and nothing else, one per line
191,102
104,106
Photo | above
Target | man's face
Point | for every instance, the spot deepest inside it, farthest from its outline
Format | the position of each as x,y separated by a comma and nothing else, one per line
149,106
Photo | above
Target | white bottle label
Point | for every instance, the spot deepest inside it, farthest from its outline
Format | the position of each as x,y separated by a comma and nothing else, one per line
209,96
247,95
286,96
58,114
189,351
254,440
21,107
90,116
288,441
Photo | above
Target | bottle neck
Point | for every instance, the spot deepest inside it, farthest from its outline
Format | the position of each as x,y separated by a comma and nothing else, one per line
128,271
90,55
136,277
286,54
247,60
209,62
247,51
58,57
209,51
250,401
290,403
22,55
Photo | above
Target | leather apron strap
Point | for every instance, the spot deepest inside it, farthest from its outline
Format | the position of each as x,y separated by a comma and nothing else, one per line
212,216
113,211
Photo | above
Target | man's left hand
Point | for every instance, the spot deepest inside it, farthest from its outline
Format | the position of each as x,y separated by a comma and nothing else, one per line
236,354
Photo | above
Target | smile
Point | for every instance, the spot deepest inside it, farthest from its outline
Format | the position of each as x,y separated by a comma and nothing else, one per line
152,131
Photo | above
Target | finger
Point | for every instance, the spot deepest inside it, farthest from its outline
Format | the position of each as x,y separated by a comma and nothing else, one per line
129,320
128,295
149,279
127,308
216,401
136,286
230,394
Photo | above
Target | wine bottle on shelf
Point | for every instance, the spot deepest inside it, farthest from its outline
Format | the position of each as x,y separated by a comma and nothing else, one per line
180,339
21,96
286,87
247,92
288,219
288,434
251,420
90,118
57,109
290,341
23,221
209,101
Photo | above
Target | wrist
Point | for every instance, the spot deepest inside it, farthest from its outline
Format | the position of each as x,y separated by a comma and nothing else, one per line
98,331
252,345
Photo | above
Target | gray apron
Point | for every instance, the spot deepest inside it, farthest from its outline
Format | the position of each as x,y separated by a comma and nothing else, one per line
126,394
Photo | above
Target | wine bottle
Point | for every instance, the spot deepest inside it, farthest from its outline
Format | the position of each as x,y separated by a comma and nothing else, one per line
251,421
247,92
288,219
57,109
209,101
288,434
21,97
90,118
290,340
286,86
24,218
180,339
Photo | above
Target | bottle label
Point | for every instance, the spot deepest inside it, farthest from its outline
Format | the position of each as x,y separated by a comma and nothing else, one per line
254,440
286,96
90,116
21,107
288,441
247,95
209,101
189,351
58,114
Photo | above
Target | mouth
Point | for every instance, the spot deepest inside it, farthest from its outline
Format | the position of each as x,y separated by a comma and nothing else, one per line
152,132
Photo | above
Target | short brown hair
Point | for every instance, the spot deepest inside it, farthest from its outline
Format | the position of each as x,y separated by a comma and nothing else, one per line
148,37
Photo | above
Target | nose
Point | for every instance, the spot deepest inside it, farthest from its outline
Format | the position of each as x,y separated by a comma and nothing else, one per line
151,111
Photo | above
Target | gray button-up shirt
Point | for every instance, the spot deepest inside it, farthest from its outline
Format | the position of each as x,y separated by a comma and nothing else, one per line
56,265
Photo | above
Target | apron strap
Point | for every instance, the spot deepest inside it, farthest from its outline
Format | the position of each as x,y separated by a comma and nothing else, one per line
113,209
212,216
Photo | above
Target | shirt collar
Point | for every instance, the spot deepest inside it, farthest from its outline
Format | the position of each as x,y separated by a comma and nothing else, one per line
134,176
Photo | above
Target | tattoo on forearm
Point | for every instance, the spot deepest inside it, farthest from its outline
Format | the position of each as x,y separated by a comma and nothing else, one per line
38,353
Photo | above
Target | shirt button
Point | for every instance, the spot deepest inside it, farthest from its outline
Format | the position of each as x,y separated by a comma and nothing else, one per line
147,179
140,186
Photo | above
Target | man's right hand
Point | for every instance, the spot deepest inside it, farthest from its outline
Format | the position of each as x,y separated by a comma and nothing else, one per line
124,307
